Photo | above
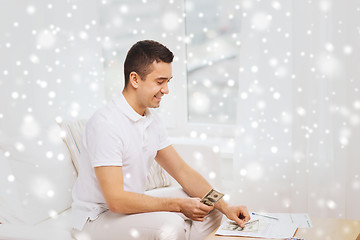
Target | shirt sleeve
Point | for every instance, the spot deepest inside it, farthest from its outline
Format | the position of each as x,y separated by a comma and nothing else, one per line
104,144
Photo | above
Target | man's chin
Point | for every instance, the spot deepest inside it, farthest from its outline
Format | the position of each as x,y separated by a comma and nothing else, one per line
155,105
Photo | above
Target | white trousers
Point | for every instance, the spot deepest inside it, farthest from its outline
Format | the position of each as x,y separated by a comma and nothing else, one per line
150,226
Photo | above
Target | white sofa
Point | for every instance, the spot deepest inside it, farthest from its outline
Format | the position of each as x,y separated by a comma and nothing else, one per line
35,192
35,195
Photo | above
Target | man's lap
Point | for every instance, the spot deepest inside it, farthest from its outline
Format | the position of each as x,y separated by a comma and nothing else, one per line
151,225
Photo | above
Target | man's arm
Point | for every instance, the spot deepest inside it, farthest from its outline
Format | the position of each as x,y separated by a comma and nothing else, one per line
195,185
110,179
190,180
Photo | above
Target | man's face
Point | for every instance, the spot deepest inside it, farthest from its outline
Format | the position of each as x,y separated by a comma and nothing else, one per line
155,85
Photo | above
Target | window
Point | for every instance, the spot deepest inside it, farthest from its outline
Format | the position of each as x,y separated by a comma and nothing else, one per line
212,37
206,38
121,24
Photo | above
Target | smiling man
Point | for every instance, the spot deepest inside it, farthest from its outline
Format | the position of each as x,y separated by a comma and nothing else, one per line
119,143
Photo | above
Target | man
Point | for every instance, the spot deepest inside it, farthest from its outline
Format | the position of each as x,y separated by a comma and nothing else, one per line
119,144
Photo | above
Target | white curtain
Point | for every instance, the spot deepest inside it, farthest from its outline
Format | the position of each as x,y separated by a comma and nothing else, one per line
297,147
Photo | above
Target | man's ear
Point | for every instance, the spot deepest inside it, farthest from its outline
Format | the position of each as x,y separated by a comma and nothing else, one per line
134,79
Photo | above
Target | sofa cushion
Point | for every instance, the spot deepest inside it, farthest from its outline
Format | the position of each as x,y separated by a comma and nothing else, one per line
157,177
43,175
27,232
55,228
72,133
9,195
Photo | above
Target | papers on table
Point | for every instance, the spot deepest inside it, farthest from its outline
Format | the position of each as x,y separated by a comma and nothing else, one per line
269,225
302,219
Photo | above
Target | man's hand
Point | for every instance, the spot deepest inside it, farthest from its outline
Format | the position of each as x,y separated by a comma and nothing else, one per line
194,209
239,214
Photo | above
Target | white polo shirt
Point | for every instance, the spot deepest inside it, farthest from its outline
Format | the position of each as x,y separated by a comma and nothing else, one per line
115,135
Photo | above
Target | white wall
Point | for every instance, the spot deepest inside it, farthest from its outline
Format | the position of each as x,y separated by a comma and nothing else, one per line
49,66
50,69
296,147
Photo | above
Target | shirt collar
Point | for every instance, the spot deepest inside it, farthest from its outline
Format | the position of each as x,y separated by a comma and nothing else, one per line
125,107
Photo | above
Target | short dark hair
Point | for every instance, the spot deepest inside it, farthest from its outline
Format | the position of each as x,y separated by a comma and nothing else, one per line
142,54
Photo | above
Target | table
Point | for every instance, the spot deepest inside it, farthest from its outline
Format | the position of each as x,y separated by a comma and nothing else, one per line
323,228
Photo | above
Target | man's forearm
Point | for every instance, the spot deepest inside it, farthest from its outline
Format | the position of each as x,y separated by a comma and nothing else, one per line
196,185
222,206
129,203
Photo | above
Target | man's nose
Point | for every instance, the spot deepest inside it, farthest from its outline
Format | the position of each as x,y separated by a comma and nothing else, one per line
165,89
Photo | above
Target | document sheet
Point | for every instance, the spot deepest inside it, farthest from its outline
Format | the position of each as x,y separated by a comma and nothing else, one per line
269,225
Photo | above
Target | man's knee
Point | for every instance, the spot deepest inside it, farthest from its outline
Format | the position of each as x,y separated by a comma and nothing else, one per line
214,218
200,230
173,229
217,216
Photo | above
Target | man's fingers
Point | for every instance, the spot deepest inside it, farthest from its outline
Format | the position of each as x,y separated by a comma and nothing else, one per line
206,208
247,214
200,214
241,223
200,219
244,218
202,211
244,214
